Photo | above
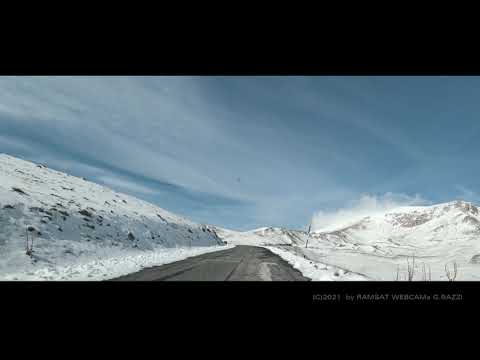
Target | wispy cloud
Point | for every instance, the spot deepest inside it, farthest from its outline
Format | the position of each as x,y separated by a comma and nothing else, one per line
171,130
236,151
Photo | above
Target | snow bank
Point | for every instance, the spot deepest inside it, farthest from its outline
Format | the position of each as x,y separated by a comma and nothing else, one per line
315,270
107,263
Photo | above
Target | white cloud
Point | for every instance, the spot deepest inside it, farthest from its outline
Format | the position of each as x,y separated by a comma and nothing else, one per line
366,205
133,123
182,131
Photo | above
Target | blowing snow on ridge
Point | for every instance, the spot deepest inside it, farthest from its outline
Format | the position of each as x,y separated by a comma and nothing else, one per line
58,227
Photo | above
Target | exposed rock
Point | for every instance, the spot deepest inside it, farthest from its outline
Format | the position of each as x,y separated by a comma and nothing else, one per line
466,207
411,220
475,259
20,191
470,220
162,218
60,197
85,213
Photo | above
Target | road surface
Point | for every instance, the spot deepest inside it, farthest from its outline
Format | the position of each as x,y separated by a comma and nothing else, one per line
242,263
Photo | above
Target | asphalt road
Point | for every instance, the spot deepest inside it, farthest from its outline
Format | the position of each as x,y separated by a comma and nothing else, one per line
242,263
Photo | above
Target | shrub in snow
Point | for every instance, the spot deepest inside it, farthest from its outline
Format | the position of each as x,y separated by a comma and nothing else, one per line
451,274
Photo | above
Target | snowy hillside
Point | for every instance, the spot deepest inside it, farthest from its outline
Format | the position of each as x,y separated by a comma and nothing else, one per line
419,227
382,245
263,236
72,221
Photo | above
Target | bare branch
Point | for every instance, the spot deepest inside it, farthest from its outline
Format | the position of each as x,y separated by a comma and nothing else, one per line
26,244
411,268
29,243
451,275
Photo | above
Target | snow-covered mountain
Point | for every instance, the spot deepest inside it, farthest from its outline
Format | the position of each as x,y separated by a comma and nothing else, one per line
69,218
265,236
416,227
383,245
380,245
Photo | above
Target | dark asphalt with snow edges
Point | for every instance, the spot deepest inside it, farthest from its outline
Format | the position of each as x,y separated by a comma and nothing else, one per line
242,263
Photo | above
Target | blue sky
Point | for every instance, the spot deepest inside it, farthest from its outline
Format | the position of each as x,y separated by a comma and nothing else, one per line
244,152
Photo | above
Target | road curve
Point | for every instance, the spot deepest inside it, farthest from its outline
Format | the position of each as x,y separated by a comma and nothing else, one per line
241,263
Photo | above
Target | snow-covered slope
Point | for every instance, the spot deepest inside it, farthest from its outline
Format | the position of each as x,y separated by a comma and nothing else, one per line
378,246
383,245
70,218
416,227
263,237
